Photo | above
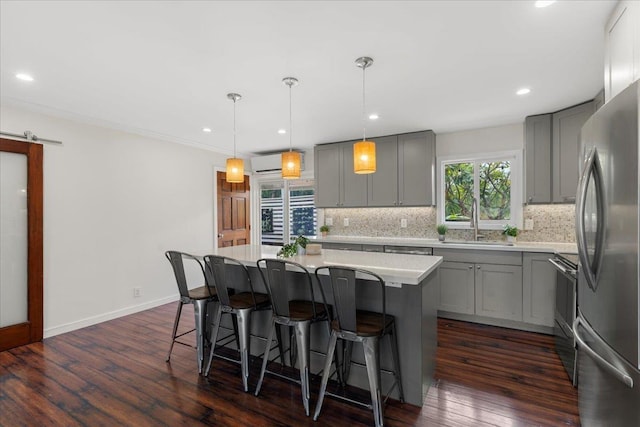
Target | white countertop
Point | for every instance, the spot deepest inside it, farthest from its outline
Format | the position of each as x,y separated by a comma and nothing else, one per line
393,268
552,247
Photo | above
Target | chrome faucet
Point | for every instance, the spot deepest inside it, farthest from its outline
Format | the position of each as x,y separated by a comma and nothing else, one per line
474,219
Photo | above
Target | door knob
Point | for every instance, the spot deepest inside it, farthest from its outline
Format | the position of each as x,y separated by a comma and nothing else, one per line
220,235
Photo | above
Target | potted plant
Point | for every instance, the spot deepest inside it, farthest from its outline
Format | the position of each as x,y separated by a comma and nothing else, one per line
288,250
301,242
324,229
511,232
442,230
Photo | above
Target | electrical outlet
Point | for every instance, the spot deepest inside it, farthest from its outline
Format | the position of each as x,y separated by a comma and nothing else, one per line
403,223
346,222
137,292
328,221
528,224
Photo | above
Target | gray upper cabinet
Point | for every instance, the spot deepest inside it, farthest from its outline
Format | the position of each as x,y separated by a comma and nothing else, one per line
383,184
404,173
336,183
566,130
538,158
416,165
405,170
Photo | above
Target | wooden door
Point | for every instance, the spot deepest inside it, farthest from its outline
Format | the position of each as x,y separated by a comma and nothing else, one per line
28,329
234,225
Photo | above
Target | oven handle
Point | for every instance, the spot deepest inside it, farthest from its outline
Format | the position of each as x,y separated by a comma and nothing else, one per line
564,270
613,370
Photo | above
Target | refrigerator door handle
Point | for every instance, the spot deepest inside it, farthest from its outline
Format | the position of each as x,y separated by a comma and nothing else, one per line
582,345
591,271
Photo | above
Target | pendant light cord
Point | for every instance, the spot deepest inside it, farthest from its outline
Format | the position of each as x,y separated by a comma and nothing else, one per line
234,127
290,121
364,125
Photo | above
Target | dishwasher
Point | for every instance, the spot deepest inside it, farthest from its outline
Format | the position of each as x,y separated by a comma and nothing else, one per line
409,250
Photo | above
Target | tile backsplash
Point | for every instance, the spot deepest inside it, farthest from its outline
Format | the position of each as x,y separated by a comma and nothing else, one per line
551,223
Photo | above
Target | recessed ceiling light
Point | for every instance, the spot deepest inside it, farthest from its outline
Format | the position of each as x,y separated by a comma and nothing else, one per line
374,116
544,3
24,77
282,131
523,91
206,130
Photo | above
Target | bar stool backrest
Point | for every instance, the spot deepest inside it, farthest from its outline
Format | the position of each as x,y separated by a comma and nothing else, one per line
282,286
219,270
343,287
177,260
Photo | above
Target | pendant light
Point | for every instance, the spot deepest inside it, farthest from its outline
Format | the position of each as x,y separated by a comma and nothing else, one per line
364,152
235,166
290,159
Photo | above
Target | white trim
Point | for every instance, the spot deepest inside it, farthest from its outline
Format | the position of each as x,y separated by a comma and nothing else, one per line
88,321
517,175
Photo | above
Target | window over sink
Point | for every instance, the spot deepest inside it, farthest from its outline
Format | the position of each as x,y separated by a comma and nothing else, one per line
493,179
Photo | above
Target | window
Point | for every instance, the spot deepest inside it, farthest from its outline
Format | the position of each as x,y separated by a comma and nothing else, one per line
294,197
493,180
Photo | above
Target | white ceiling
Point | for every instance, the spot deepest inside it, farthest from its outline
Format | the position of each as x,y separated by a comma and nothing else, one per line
163,68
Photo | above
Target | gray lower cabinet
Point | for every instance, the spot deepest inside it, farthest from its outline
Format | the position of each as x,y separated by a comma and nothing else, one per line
499,291
342,246
566,131
457,287
336,183
538,287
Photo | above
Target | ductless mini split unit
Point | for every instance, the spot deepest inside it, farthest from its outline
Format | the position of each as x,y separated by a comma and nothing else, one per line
271,163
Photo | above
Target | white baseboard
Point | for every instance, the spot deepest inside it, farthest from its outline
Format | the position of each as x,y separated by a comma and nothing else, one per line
83,323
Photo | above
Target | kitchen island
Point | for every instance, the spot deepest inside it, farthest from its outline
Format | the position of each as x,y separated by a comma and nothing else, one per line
412,283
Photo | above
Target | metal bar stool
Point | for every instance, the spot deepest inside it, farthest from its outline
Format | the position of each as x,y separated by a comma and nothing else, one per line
353,325
285,287
200,297
219,271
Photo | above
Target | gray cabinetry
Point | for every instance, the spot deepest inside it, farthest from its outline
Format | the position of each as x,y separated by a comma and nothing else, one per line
342,246
457,287
481,283
538,158
566,130
499,291
336,183
405,171
538,287
383,184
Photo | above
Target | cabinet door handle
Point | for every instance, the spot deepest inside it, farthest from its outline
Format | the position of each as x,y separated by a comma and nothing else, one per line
471,267
530,199
478,267
400,201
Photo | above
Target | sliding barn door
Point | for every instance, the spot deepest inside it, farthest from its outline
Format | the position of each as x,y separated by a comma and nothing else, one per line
20,243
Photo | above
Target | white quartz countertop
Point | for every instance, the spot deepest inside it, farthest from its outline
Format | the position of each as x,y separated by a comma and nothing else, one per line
393,268
551,247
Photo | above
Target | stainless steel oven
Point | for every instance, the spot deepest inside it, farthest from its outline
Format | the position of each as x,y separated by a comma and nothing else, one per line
566,303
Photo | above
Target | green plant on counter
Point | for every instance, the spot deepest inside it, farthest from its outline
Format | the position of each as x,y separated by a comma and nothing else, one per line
301,241
442,229
289,250
510,230
324,228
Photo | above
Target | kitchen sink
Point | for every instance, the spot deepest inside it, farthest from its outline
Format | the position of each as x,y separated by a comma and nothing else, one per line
479,242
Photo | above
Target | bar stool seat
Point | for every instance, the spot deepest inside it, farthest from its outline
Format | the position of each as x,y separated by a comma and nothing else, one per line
244,300
202,292
368,323
304,310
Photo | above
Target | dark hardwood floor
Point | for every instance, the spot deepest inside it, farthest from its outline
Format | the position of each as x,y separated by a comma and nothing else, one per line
114,373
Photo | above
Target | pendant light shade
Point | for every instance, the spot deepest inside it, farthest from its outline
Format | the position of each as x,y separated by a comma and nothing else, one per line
235,166
290,165
290,159
235,170
364,157
364,152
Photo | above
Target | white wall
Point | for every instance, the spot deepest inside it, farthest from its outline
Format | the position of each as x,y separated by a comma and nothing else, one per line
113,204
485,140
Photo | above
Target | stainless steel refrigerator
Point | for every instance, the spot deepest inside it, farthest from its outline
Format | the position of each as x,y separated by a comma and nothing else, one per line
607,328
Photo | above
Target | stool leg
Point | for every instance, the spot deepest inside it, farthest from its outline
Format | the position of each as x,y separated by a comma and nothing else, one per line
326,373
244,326
346,360
396,361
302,330
265,358
175,330
280,345
200,314
214,338
371,357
